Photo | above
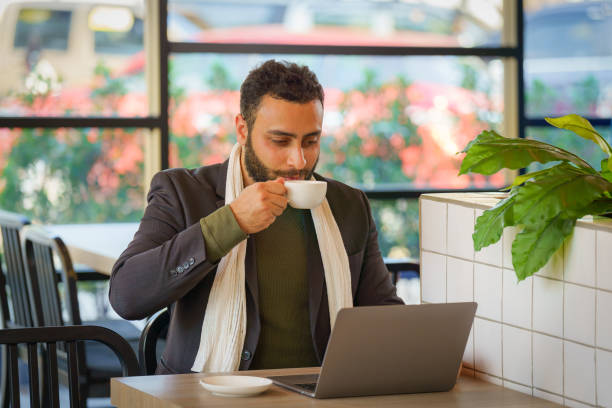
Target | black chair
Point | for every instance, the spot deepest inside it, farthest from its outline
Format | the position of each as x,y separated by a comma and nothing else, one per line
48,293
70,338
14,296
396,267
152,336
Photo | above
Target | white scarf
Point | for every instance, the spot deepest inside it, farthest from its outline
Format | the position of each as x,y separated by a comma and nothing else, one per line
224,326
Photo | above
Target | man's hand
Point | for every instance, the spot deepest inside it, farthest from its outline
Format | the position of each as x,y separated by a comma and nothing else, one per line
259,204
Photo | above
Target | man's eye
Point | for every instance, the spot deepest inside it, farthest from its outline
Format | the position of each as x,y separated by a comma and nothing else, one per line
280,142
311,142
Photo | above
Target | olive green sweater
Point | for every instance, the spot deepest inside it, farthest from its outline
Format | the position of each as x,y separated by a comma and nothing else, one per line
285,339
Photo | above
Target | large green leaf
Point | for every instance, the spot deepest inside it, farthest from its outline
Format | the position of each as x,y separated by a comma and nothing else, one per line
606,169
536,243
518,180
597,207
534,246
563,187
582,128
491,152
490,225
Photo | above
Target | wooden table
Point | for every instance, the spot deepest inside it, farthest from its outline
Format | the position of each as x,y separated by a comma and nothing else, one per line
95,245
184,390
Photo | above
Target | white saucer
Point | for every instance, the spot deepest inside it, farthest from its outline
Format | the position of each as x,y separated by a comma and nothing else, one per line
235,385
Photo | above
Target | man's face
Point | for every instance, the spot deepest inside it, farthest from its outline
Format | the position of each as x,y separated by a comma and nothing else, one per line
284,140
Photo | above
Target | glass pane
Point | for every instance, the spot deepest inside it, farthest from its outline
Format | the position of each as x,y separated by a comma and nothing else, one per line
390,122
72,175
567,140
42,29
397,221
72,59
427,23
568,64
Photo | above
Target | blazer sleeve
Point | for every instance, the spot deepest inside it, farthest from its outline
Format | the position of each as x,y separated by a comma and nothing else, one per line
164,261
374,286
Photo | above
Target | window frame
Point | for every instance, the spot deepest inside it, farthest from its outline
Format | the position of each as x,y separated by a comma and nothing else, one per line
158,49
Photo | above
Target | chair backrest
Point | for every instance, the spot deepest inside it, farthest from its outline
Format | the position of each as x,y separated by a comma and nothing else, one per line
49,336
11,225
156,327
39,249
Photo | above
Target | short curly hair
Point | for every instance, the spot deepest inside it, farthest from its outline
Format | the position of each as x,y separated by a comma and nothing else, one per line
281,80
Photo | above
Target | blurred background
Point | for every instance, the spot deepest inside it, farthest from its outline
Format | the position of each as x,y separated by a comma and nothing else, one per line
95,96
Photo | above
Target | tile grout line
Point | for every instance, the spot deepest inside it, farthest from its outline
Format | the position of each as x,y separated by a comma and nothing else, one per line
446,257
474,300
502,320
563,322
595,339
531,333
510,269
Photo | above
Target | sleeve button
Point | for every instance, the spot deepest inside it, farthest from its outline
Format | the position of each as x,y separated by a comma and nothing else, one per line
179,269
191,261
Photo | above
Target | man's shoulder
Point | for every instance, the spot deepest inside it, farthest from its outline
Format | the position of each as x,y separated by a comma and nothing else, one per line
200,178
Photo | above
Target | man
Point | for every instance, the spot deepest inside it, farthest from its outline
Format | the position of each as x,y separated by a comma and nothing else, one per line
198,243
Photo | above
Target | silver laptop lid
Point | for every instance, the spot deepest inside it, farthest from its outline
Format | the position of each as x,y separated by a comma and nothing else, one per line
395,349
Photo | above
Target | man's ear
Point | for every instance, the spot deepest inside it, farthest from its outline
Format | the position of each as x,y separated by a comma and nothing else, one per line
241,129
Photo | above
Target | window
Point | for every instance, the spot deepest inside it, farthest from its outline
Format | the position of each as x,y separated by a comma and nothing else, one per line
42,28
80,60
394,120
568,65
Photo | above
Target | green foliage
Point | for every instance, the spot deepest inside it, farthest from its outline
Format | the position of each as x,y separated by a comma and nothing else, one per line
544,204
490,152
220,79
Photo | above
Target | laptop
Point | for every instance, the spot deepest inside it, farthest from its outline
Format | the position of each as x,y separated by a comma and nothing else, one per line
400,349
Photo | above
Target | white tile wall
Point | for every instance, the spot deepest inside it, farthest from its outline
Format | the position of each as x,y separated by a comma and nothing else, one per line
516,300
604,320
579,381
491,254
548,363
508,236
604,260
488,347
518,387
604,378
460,230
551,334
433,277
488,291
579,314
548,396
433,225
468,354
554,266
517,363
489,378
575,404
580,257
460,280
548,306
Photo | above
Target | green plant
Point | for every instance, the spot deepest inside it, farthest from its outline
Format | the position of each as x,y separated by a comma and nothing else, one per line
543,204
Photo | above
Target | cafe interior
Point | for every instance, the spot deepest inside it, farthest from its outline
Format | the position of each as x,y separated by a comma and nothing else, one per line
478,130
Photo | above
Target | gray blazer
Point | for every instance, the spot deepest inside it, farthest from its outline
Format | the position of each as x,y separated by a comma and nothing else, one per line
166,263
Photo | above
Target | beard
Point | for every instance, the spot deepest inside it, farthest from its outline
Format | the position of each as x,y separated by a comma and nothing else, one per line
259,172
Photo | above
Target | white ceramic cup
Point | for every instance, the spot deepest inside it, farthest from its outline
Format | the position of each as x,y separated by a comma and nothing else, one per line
305,194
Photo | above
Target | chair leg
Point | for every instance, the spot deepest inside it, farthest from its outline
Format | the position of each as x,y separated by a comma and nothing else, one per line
84,394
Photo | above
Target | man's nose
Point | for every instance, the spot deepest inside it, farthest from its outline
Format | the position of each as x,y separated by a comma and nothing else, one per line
296,158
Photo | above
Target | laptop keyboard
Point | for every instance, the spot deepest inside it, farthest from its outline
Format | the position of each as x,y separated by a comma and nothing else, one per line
308,386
